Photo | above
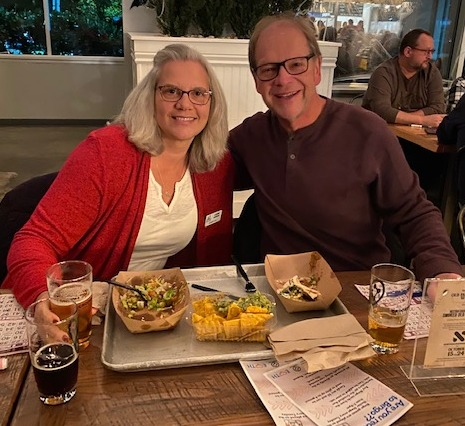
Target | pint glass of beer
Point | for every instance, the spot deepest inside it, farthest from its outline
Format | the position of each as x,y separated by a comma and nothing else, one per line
53,348
390,295
72,280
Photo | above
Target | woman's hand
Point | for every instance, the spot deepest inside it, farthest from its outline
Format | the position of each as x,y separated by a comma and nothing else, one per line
43,311
44,315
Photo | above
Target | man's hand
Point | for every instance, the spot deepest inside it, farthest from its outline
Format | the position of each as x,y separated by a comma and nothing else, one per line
433,287
433,120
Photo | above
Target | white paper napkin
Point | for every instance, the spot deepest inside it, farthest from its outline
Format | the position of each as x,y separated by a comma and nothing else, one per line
322,342
100,292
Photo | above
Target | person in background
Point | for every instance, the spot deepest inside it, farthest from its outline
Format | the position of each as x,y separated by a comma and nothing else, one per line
314,25
359,28
452,131
342,27
390,42
328,34
321,27
455,93
151,190
328,175
348,50
407,89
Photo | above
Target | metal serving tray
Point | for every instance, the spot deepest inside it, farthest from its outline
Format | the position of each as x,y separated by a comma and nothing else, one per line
124,351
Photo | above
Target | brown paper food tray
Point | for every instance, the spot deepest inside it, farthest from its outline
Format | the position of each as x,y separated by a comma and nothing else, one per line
123,351
283,267
159,323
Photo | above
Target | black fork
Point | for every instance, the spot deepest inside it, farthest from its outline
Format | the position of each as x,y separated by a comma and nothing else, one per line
249,287
128,287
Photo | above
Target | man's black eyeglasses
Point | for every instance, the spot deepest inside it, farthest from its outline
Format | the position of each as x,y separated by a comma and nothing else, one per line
293,66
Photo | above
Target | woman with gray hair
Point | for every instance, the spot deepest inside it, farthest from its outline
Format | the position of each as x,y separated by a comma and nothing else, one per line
151,190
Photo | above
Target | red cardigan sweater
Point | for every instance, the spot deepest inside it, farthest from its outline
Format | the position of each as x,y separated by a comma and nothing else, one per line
93,212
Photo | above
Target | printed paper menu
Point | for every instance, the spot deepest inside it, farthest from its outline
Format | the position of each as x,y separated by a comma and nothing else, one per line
340,396
281,409
446,343
13,338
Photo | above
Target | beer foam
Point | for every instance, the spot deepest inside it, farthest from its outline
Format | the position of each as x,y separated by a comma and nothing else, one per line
55,357
75,291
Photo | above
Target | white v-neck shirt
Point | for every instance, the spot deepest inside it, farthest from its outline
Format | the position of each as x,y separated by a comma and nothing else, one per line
165,229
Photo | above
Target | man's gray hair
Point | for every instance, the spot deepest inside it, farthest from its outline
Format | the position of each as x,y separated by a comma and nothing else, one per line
298,21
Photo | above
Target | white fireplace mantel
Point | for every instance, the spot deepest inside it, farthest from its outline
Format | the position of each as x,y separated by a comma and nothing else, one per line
229,58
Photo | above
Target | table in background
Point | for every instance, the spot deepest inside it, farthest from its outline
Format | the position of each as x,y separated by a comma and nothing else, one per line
419,137
215,394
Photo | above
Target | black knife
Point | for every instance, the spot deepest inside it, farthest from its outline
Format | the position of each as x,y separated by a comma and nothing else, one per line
203,288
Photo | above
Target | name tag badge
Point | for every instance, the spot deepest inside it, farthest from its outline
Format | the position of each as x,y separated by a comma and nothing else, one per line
212,218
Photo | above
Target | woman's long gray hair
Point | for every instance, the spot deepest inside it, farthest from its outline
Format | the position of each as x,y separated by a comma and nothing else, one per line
138,112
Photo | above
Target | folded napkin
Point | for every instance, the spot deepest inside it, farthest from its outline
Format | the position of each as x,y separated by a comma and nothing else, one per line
100,292
322,342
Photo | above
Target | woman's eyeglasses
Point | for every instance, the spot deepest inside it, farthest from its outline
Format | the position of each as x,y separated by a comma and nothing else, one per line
197,96
293,66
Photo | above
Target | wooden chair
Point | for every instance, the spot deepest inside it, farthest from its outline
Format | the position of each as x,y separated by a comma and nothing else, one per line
16,208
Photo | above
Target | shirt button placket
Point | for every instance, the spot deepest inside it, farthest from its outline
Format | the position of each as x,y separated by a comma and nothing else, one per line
291,147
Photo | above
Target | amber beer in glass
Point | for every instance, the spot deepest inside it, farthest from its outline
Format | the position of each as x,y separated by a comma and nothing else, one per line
53,348
72,280
390,296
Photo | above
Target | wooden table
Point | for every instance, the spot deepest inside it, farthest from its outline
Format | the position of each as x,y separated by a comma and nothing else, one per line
11,381
211,395
419,137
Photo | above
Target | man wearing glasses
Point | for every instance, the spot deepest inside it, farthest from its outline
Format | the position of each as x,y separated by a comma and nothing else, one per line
327,175
407,89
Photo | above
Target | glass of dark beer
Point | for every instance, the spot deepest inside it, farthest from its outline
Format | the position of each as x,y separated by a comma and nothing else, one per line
53,348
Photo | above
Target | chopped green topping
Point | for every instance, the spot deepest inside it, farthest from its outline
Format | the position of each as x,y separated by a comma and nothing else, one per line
255,299
161,295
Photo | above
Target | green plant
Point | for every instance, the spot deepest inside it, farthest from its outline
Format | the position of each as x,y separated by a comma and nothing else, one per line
90,28
174,16
297,6
22,31
245,14
213,16
78,27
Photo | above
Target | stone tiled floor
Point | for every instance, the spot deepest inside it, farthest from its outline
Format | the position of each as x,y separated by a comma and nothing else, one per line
35,150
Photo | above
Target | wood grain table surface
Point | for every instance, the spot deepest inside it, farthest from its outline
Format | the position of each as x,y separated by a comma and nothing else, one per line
418,136
213,394
11,381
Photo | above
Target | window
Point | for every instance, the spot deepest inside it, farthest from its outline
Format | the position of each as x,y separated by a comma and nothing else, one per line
370,32
69,27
